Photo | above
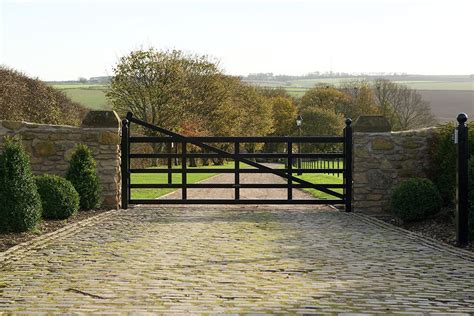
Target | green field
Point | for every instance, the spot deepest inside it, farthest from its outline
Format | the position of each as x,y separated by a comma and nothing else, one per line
92,96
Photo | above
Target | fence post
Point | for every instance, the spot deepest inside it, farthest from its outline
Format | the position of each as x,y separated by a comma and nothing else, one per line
170,166
348,165
236,171
184,179
289,169
124,163
462,202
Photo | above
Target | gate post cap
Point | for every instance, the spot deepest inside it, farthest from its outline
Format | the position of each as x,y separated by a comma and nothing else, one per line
462,118
348,121
372,124
101,119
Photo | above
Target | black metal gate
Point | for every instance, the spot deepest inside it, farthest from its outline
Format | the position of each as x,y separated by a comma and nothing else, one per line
292,182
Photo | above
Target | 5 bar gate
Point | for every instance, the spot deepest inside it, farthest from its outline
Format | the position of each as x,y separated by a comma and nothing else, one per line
244,162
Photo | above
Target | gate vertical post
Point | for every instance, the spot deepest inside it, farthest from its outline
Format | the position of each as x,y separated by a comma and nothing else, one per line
462,202
170,166
124,146
184,192
289,151
348,165
237,171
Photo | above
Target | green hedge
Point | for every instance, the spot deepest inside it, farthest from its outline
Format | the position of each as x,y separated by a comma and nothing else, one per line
442,170
82,173
20,204
415,199
59,198
471,197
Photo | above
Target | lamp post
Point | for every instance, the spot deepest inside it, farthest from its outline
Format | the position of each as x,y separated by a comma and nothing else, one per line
299,120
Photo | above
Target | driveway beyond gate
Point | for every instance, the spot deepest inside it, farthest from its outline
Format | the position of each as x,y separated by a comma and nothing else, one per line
193,260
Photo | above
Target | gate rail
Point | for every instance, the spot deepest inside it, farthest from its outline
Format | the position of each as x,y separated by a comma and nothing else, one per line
239,157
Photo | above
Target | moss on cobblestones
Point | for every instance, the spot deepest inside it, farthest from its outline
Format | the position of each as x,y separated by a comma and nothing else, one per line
215,261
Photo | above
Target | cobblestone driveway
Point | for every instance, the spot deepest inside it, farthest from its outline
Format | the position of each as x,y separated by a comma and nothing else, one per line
221,261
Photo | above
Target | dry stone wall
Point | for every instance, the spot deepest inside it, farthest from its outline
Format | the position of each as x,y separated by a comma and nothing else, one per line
382,160
51,147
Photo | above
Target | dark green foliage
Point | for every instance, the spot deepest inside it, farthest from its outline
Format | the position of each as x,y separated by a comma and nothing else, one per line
415,199
443,155
58,197
471,197
83,175
20,204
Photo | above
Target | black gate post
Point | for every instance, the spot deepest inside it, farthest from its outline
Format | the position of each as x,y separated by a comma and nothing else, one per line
124,163
462,202
348,165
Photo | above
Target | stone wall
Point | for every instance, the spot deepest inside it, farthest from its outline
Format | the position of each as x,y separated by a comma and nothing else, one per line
51,146
382,160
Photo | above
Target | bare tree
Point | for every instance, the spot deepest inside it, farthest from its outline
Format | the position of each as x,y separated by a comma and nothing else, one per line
402,106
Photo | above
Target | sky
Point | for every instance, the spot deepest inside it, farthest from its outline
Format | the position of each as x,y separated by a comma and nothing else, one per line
64,40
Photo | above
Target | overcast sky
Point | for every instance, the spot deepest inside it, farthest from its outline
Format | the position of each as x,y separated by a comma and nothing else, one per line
60,40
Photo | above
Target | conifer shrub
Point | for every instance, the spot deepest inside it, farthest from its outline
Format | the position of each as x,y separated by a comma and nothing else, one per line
20,204
415,199
82,173
58,197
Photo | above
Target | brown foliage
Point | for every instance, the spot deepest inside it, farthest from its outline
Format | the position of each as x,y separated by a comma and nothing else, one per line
26,99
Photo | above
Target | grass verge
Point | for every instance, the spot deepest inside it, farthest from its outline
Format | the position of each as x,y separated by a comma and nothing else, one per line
318,178
157,178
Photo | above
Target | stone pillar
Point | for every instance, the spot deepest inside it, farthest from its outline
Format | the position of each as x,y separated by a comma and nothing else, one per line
106,124
382,159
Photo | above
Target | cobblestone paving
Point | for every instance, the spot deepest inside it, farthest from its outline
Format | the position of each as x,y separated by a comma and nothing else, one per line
190,260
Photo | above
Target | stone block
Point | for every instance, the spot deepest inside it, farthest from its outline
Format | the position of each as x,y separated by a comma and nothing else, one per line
108,138
90,137
360,178
12,125
374,197
101,119
361,152
385,164
411,144
382,143
111,201
43,148
378,179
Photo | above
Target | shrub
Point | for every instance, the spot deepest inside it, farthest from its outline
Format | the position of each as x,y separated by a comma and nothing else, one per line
20,204
442,169
27,99
471,198
82,173
58,197
415,199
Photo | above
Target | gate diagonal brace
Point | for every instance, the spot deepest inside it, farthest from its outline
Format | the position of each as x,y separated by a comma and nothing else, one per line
232,156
